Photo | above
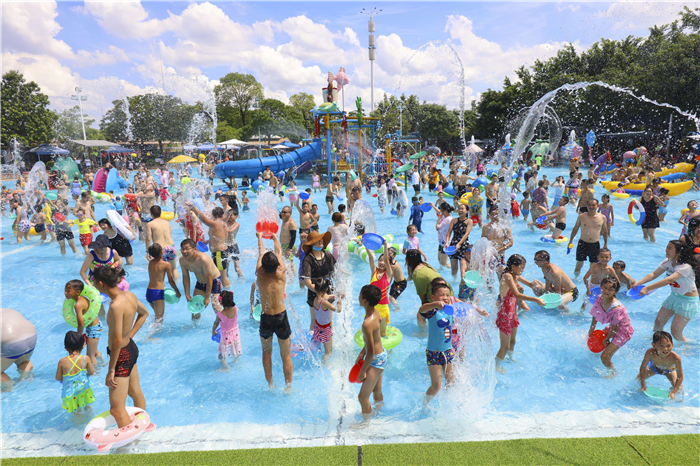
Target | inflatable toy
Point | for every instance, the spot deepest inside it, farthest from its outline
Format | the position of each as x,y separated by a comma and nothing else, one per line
674,189
97,435
548,239
120,224
115,181
465,198
167,215
620,195
99,181
94,300
642,213
392,339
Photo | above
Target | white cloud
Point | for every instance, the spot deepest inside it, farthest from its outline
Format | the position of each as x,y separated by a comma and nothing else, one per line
56,80
636,15
126,19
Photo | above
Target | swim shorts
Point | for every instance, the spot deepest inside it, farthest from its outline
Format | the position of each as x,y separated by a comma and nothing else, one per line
277,324
583,210
560,226
322,333
85,239
587,250
127,359
94,331
215,286
379,360
526,213
329,199
439,358
684,306
62,235
397,288
383,310
153,295
246,208
169,253
220,258
39,227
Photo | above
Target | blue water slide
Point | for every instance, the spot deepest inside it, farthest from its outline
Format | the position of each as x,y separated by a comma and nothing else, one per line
251,167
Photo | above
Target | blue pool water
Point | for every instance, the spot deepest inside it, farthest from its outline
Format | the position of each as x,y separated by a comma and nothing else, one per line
556,375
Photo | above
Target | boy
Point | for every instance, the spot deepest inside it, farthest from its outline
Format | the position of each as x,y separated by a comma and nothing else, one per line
315,216
245,201
416,217
439,352
373,356
84,225
598,271
624,279
157,268
525,205
93,330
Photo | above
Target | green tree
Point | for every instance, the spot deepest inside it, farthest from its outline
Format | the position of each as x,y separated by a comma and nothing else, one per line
438,124
302,103
24,111
113,124
68,125
238,91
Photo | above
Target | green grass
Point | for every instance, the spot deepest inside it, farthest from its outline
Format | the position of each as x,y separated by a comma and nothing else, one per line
663,450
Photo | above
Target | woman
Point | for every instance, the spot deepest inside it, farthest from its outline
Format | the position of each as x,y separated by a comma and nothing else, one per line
422,274
458,236
681,266
318,263
442,226
101,255
651,204
117,241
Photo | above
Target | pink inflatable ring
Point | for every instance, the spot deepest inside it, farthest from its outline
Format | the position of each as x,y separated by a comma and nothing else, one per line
97,435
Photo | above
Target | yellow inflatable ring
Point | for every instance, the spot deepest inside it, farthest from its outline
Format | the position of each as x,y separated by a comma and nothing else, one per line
620,195
94,302
464,200
167,215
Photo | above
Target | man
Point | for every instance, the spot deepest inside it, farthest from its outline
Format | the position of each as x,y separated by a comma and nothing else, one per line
205,271
267,173
233,251
272,276
288,232
585,195
158,232
592,225
491,192
123,374
332,190
557,218
555,281
218,234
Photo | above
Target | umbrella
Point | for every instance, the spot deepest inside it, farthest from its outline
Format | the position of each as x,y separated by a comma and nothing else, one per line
417,155
47,149
208,146
474,149
233,142
181,159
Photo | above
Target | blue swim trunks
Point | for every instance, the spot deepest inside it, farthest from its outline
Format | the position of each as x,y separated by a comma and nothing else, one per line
154,295
439,358
94,331
379,360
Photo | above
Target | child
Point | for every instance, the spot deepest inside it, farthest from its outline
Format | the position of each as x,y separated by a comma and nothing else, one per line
73,372
620,188
625,279
381,277
303,235
39,225
514,207
399,284
118,205
382,196
661,360
608,310
309,201
245,201
230,340
536,212
157,269
412,242
507,317
663,209
315,216
525,205
339,230
439,351
92,328
373,356
416,217
323,323
691,213
607,210
84,225
598,271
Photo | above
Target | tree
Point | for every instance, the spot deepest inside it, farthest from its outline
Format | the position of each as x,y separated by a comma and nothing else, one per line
113,124
24,111
239,91
302,103
68,125
439,124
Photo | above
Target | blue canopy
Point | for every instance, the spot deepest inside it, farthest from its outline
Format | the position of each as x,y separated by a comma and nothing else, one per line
117,150
290,144
208,146
47,149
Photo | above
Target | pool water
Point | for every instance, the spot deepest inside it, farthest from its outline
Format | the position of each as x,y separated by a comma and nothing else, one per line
556,388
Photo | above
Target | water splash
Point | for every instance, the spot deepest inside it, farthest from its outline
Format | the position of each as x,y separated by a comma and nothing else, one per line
362,218
10,171
36,180
193,89
109,88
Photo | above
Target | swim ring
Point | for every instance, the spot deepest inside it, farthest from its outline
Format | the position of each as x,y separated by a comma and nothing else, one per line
642,213
465,198
167,215
620,195
548,239
120,224
97,435
94,302
392,339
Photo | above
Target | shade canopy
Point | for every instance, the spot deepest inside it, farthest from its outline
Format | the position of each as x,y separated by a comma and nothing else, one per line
233,142
182,159
208,146
47,149
474,149
115,149
93,142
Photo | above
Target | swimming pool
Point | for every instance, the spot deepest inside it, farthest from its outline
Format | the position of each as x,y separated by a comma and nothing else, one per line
557,389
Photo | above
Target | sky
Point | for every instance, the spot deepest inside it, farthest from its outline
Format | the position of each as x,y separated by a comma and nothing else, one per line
113,49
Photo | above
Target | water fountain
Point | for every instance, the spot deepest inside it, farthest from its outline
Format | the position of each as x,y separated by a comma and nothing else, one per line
36,180
110,88
10,171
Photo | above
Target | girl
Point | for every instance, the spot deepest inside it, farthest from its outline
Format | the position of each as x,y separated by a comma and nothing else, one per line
93,330
461,227
661,359
692,213
507,317
316,182
442,226
381,278
412,242
118,241
681,267
323,325
101,255
608,310
663,209
73,372
651,204
476,204
607,210
230,340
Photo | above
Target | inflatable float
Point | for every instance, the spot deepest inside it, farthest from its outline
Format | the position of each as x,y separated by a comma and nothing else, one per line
252,167
548,239
677,168
120,224
392,339
674,189
99,182
97,435
642,213
115,182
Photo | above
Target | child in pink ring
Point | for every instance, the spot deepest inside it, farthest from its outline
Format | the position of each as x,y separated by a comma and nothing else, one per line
608,310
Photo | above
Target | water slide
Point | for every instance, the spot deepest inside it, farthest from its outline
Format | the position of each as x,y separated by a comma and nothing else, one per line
251,167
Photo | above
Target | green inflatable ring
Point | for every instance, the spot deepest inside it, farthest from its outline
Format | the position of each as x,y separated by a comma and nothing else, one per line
94,303
392,339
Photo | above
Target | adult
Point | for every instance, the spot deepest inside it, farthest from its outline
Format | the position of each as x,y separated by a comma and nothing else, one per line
117,241
218,235
267,173
318,263
458,236
332,190
681,267
540,195
207,275
86,204
272,277
18,343
498,234
491,191
415,181
125,317
101,255
233,252
651,203
585,195
422,274
443,226
288,232
592,225
555,280
158,231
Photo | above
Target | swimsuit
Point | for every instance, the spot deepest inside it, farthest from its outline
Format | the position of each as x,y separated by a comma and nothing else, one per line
153,295
215,286
587,250
121,245
606,212
560,226
379,360
220,258
458,232
98,263
439,350
615,315
315,268
507,318
77,389
659,370
277,324
230,342
322,330
94,331
127,359
383,306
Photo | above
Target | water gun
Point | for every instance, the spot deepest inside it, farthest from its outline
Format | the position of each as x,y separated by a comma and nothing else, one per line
569,248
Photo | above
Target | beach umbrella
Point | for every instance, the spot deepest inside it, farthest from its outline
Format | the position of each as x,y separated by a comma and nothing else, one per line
47,149
182,159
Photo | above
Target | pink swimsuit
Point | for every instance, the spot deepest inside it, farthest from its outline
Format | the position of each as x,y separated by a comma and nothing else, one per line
230,336
507,318
616,315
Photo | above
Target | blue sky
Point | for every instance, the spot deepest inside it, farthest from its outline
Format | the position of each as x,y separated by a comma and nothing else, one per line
110,48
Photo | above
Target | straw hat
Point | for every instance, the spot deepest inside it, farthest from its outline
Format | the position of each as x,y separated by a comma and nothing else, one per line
313,238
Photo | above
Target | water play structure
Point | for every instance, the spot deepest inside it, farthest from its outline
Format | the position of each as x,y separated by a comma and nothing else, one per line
252,167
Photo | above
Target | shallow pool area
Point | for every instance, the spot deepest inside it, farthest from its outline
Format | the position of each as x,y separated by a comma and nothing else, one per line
557,387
